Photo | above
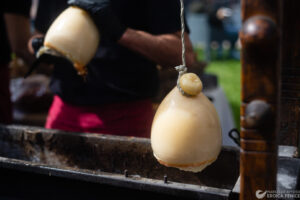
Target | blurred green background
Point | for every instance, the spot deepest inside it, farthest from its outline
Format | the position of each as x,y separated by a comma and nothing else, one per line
228,72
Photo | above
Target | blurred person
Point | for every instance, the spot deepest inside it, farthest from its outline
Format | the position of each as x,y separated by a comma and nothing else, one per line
225,22
115,97
14,34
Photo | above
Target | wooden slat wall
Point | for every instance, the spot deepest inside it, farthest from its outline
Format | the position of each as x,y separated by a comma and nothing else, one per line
290,63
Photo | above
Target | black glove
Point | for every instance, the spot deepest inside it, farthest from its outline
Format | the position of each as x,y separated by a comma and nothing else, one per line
103,16
48,59
37,43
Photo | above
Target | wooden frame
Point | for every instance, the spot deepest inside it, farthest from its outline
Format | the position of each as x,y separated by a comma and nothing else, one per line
270,107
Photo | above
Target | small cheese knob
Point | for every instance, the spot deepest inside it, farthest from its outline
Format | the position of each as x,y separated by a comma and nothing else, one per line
191,84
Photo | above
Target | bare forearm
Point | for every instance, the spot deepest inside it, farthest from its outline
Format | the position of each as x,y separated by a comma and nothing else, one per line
164,49
18,29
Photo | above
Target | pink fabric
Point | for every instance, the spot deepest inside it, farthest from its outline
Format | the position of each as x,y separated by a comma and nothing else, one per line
5,102
126,119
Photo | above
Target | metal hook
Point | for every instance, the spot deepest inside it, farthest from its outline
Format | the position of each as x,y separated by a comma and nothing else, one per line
235,137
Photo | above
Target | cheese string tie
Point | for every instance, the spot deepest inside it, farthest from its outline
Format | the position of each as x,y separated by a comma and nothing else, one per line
182,69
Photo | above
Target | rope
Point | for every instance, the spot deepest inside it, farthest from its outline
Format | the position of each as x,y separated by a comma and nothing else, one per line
182,32
182,69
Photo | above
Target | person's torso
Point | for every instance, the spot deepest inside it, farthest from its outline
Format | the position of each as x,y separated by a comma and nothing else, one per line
116,74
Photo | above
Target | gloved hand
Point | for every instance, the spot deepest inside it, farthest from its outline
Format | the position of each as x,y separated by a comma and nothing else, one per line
34,45
48,59
37,43
103,16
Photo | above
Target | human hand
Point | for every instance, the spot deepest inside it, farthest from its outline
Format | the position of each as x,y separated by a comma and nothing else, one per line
35,43
103,16
223,13
44,62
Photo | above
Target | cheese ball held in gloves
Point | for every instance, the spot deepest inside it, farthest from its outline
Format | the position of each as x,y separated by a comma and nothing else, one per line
73,35
186,131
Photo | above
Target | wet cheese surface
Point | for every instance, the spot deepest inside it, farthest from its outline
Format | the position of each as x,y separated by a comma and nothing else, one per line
186,132
74,35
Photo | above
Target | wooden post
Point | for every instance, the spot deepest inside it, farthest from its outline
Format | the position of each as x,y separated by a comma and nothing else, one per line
260,96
